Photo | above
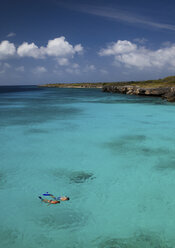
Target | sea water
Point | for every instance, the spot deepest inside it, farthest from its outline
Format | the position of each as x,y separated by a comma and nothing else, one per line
112,154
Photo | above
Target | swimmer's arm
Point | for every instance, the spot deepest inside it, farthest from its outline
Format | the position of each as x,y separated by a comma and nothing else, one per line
52,196
46,201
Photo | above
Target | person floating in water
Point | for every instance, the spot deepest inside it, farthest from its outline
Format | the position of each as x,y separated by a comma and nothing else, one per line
59,198
49,201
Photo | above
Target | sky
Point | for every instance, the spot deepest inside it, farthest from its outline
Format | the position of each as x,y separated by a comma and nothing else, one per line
52,41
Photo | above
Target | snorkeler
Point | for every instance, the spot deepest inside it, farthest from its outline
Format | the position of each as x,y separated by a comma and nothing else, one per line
49,201
59,198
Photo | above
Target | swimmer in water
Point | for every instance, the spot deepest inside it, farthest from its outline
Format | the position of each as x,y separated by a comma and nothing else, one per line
49,201
59,198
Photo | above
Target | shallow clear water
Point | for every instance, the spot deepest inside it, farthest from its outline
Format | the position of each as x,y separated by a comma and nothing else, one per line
113,155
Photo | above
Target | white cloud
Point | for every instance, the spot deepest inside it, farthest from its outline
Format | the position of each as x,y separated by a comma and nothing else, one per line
123,16
7,65
30,50
11,34
7,49
58,72
73,71
140,40
121,46
89,68
20,68
57,47
131,55
92,67
40,70
75,66
78,48
63,61
76,69
4,67
103,71
61,47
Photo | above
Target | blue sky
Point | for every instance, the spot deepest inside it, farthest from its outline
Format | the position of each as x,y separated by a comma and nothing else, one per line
52,41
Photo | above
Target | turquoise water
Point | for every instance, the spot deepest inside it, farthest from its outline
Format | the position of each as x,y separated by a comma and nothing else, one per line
113,155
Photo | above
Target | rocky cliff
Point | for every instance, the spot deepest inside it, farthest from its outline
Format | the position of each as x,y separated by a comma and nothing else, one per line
167,93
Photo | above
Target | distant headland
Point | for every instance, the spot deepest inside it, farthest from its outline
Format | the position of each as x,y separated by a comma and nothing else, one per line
164,88
75,85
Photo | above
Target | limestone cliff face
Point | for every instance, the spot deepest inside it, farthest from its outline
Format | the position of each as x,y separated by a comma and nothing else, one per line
167,93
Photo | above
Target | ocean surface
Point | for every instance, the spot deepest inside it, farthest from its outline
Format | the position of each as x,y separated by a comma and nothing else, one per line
112,154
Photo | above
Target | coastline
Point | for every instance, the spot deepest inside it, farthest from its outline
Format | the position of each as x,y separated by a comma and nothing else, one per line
167,93
164,88
73,85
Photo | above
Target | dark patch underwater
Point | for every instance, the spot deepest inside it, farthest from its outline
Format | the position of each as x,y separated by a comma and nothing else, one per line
166,164
135,144
3,179
8,237
63,220
36,115
142,240
75,176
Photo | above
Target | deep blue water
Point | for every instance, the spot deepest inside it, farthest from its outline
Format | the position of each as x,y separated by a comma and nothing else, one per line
113,155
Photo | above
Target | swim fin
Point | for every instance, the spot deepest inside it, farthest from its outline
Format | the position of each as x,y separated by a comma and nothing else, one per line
46,194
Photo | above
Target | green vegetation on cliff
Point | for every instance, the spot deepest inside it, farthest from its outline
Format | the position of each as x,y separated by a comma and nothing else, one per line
74,85
165,82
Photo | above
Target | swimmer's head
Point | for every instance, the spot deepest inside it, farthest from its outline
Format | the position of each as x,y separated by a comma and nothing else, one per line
67,198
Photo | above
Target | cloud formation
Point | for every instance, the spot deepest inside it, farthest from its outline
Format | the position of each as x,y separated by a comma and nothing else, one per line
11,34
63,61
4,67
124,16
40,70
89,68
73,69
132,55
57,47
118,48
7,49
30,50
20,68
